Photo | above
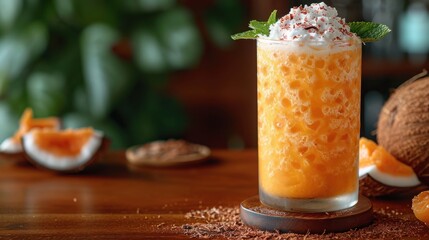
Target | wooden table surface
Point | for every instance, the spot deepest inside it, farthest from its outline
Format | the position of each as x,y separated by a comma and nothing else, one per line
113,201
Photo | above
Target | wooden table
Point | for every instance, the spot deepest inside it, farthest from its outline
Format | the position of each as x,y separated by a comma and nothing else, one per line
112,201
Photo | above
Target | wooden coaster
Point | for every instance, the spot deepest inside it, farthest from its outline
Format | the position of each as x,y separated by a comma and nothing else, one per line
255,214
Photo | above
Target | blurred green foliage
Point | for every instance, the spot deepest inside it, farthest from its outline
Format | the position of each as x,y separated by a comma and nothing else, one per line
103,63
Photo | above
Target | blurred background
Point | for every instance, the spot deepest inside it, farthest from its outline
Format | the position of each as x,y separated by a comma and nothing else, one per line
142,70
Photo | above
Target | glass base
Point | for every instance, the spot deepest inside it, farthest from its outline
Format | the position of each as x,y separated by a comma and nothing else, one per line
310,205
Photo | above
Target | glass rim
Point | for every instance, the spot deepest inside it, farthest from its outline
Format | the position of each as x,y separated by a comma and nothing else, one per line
309,41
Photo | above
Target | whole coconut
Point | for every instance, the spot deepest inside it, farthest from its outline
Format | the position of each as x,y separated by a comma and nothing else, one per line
403,126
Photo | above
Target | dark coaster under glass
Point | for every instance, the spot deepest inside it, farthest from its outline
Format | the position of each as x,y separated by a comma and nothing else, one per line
255,214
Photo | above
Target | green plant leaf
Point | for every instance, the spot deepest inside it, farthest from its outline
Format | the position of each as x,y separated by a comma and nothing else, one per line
106,77
222,20
4,84
46,93
81,13
150,5
168,41
369,31
180,38
9,12
152,115
273,17
258,28
18,48
80,100
148,51
9,120
148,114
251,34
14,56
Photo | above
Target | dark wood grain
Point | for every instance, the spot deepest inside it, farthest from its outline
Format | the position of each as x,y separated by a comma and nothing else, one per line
112,201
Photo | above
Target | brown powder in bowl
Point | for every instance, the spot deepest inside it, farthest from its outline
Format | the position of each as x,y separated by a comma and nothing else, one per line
218,222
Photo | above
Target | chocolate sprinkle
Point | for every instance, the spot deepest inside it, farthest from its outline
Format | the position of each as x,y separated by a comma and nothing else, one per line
225,222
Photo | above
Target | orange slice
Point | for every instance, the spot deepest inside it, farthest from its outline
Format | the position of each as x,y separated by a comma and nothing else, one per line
366,148
382,166
372,154
420,206
62,143
387,163
28,123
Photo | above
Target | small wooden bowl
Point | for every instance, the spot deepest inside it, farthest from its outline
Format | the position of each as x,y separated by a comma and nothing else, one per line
137,156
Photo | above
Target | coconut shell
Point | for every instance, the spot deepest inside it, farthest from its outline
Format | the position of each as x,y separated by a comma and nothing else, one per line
102,149
370,187
403,126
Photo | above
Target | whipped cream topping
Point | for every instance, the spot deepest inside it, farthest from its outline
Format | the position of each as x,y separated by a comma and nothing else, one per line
317,22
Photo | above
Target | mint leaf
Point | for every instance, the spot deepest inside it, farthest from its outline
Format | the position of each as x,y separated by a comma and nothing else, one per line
258,28
251,34
369,31
273,17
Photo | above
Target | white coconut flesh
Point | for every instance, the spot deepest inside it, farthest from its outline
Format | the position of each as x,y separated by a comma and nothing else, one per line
62,163
10,146
363,171
388,179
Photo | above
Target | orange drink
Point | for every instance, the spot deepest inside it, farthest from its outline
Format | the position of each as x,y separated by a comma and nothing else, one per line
308,123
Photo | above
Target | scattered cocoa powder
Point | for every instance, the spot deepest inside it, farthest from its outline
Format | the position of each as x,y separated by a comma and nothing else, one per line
388,212
218,222
160,225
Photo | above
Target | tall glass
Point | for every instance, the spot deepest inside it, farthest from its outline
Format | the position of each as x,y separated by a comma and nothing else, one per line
308,124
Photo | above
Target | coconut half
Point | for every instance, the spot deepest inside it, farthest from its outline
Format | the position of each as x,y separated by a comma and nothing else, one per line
374,182
64,150
370,187
11,151
11,148
380,173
